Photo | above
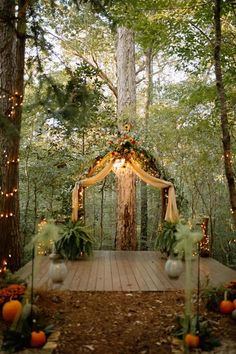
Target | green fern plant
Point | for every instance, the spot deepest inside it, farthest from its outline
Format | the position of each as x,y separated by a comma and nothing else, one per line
76,239
166,238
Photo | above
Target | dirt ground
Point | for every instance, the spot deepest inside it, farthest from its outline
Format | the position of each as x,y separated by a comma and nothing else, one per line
123,323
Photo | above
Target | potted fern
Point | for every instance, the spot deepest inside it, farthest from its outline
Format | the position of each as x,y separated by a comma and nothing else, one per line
75,240
166,238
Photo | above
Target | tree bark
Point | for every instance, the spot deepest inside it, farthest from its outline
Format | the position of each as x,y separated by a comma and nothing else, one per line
144,217
126,236
12,49
126,212
144,195
102,213
126,83
228,159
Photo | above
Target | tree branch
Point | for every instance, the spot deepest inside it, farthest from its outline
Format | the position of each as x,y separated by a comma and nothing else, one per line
100,72
95,66
201,31
140,70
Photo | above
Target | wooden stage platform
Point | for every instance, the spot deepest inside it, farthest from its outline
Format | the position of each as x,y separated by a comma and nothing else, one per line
125,271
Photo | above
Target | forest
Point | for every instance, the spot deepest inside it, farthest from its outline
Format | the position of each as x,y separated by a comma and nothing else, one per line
62,81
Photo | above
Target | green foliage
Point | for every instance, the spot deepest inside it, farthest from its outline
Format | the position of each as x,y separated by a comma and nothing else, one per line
166,238
8,128
69,114
125,144
14,340
47,232
10,278
18,336
81,98
213,295
75,240
197,326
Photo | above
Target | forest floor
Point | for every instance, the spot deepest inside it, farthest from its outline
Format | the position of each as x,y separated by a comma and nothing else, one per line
123,323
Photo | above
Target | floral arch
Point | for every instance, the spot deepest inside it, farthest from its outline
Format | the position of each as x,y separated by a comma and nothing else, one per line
126,153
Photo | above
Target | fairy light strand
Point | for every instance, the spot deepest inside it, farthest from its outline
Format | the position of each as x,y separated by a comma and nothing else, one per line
204,244
16,102
9,194
3,266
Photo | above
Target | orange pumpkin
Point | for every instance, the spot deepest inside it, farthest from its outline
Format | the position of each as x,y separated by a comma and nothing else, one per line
38,339
226,306
192,340
11,310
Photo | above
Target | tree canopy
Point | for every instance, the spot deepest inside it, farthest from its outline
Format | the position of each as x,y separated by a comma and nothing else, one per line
70,105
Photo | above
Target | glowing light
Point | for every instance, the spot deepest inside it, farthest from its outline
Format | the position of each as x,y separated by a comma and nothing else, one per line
204,244
118,164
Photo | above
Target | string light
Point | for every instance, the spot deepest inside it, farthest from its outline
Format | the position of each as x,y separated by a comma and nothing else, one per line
3,264
42,249
13,161
3,267
12,97
7,215
16,101
9,194
204,244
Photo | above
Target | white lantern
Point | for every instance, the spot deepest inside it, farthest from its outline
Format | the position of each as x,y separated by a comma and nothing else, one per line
174,267
57,270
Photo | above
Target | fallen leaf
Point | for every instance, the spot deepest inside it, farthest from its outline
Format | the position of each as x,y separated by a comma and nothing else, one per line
90,347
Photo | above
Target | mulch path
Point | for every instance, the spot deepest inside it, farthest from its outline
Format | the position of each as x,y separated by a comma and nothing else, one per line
123,323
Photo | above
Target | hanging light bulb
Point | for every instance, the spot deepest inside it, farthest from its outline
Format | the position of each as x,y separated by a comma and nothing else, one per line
118,164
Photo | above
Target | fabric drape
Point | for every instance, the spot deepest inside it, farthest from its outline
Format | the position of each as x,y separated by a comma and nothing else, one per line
171,211
75,202
99,176
85,183
172,214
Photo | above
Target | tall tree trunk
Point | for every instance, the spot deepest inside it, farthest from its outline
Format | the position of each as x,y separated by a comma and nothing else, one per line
12,49
144,196
83,153
126,236
126,212
223,111
102,213
144,217
27,202
35,207
126,80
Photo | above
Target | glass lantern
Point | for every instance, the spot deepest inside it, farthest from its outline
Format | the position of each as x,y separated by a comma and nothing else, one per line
174,267
57,270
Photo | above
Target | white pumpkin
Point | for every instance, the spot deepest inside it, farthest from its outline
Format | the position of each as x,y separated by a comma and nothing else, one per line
233,314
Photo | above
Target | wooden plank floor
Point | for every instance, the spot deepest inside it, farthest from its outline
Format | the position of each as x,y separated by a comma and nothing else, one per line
125,271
